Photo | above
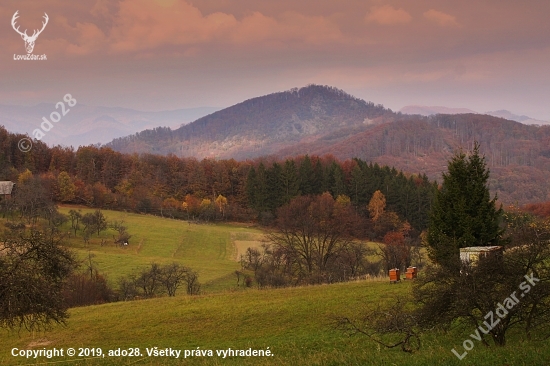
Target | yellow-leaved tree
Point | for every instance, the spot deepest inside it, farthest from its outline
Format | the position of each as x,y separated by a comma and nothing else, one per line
377,205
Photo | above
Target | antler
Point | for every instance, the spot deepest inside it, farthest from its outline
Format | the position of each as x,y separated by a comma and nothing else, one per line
36,32
35,35
15,16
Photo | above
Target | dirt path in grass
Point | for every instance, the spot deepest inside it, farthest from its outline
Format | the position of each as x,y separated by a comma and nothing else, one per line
242,241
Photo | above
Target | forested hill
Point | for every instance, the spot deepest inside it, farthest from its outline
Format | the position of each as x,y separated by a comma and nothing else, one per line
320,120
260,126
518,155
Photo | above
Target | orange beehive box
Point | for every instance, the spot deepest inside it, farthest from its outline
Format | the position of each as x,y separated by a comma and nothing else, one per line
394,275
411,273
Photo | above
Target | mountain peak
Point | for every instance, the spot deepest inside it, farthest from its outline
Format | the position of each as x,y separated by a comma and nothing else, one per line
261,125
307,93
326,90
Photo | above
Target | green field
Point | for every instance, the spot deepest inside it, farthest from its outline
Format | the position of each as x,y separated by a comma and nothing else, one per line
206,248
295,323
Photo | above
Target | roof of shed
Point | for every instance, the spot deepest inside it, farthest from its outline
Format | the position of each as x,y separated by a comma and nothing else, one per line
480,249
6,187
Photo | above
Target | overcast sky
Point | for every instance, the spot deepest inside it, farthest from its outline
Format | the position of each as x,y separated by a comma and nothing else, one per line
169,54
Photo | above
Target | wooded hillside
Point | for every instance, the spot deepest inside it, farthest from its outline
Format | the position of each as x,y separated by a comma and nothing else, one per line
209,189
320,120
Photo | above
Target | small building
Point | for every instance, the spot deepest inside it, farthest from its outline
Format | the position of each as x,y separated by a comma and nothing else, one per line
6,188
470,255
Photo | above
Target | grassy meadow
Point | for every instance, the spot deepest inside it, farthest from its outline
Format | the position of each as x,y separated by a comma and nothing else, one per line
206,248
295,323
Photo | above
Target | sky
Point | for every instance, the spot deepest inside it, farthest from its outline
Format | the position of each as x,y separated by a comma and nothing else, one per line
154,55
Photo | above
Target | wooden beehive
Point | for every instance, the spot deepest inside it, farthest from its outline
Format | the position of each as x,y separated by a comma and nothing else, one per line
411,273
394,275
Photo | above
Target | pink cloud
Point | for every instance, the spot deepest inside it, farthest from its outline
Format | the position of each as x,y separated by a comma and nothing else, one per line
388,15
145,28
90,39
146,25
440,18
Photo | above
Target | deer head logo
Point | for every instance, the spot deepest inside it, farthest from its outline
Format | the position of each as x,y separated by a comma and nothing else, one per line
29,41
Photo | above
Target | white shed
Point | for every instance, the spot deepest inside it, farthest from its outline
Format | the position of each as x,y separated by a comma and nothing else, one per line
6,188
472,254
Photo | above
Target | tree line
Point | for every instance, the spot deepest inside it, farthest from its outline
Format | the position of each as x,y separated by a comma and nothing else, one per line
209,189
269,187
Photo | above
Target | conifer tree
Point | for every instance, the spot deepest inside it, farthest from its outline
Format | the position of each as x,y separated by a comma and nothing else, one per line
262,195
336,184
463,213
306,177
274,186
319,179
256,188
290,181
357,186
251,187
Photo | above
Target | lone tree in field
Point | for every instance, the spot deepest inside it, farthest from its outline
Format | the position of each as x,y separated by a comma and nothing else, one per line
463,213
33,269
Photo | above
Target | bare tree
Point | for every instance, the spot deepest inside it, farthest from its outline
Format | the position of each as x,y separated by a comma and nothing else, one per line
32,200
393,326
312,231
33,268
127,289
75,217
157,279
150,280
172,276
192,281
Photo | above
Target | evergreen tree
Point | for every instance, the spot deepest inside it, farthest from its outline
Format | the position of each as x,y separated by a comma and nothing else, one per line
274,187
256,188
463,213
251,186
318,178
374,182
336,180
307,184
262,195
290,181
357,187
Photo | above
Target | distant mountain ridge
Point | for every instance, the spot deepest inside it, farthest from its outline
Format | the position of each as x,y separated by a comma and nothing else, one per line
85,125
433,110
514,117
